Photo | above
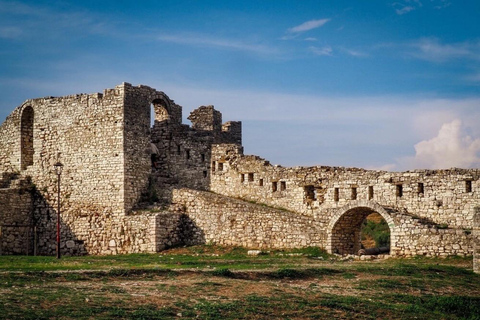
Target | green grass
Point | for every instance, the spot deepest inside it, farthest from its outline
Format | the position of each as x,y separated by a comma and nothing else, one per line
208,282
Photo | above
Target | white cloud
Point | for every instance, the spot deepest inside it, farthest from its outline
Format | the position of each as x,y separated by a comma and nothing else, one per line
404,10
442,4
432,50
324,51
452,147
355,53
203,40
308,25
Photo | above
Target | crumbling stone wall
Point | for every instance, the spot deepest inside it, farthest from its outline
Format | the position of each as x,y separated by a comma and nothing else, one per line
115,164
442,196
104,141
226,221
431,210
183,154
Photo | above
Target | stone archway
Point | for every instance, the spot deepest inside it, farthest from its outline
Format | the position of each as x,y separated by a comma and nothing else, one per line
344,229
160,110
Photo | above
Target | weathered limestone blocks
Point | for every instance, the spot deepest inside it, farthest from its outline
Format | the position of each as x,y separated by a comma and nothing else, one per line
443,196
227,221
476,240
16,223
115,163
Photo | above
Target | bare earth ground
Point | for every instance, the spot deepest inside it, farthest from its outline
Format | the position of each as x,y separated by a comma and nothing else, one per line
299,289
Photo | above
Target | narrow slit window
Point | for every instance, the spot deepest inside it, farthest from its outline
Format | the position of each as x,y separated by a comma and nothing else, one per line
250,177
274,186
354,193
205,174
242,177
336,194
283,186
370,192
203,157
399,191
179,151
187,154
468,186
260,182
213,166
220,166
420,188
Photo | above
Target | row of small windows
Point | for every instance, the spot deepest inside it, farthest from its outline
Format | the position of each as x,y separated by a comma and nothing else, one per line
188,155
251,178
398,191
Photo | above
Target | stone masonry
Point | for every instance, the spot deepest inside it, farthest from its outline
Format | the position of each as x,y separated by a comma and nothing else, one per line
128,186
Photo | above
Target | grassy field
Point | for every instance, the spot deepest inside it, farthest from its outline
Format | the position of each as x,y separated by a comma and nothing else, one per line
208,282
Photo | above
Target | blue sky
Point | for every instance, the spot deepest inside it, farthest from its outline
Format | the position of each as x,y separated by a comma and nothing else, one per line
378,84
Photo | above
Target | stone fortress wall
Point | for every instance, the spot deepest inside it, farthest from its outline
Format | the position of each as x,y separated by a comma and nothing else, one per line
130,187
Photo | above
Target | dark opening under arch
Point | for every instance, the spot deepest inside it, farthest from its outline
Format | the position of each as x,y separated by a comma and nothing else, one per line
346,234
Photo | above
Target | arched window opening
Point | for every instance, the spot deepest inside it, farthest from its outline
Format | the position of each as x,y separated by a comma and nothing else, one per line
159,111
26,144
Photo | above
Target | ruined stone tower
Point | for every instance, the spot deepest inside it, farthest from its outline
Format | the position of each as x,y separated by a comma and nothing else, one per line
128,186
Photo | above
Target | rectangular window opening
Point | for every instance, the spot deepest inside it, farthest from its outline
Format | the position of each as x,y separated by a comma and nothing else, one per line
274,186
220,166
178,150
205,174
203,157
399,190
310,193
468,186
187,153
336,194
283,185
420,188
242,177
260,182
213,166
370,192
250,177
354,193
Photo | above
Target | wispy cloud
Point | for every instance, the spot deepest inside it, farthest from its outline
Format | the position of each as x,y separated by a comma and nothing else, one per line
442,4
355,53
207,41
404,10
432,49
10,32
308,25
45,22
406,6
294,32
324,51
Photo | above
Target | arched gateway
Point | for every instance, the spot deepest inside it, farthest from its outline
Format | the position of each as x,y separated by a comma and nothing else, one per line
344,229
